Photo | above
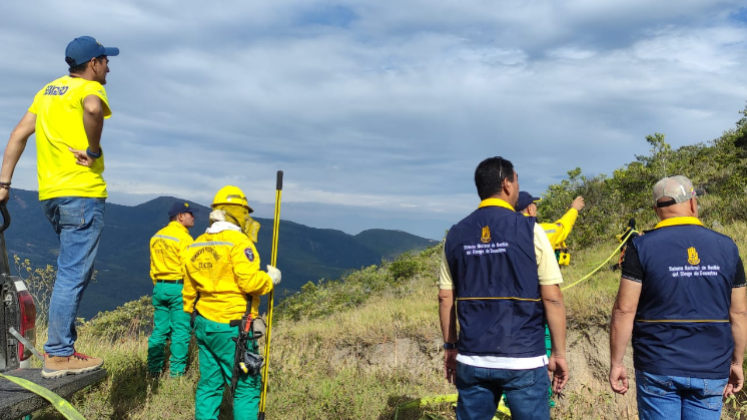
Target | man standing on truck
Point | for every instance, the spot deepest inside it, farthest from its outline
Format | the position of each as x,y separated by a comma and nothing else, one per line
167,247
67,116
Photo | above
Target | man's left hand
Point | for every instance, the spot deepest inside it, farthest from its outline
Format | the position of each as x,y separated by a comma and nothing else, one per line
736,381
450,365
81,157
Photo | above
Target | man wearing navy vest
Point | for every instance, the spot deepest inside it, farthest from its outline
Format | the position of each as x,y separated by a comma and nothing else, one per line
499,269
682,298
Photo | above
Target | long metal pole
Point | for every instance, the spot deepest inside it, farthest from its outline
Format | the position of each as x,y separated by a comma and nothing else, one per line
273,262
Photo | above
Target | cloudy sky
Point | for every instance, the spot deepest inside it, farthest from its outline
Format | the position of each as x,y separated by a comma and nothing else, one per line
379,111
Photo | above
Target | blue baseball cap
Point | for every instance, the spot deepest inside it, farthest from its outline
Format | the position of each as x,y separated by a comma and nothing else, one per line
525,199
84,48
181,207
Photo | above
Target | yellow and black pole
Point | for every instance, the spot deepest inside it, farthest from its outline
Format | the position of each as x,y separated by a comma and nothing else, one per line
273,262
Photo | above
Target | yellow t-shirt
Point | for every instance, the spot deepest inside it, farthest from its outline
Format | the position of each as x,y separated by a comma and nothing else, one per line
59,126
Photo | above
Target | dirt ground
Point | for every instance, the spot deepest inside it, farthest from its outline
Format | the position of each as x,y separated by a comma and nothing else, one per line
587,395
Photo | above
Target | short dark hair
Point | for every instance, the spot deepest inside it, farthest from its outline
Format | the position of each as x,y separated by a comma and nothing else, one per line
80,68
490,174
174,217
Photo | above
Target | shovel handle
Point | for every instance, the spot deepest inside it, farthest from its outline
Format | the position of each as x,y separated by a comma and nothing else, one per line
6,217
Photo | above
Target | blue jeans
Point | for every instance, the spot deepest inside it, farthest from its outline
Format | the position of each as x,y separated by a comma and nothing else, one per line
78,222
480,391
678,397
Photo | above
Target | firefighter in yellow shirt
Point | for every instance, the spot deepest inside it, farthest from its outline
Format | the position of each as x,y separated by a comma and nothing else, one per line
557,232
169,319
222,282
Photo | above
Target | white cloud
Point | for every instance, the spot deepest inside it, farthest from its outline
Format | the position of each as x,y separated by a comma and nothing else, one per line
382,106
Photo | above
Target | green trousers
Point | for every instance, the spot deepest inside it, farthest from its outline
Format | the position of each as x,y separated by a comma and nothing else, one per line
217,348
169,320
548,347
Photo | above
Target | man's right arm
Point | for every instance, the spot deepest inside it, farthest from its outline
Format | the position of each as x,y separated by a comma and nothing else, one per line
738,320
447,317
621,329
13,151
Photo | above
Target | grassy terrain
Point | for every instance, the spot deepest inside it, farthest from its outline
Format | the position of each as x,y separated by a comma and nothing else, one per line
360,360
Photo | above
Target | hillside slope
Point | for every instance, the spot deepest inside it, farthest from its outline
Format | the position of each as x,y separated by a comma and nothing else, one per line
361,361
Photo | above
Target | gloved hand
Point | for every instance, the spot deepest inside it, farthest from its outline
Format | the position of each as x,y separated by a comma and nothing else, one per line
275,274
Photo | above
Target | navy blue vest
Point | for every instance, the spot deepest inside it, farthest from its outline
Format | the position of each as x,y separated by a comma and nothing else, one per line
682,324
493,264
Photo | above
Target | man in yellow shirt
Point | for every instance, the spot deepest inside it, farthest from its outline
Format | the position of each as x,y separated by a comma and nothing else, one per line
67,116
222,282
167,247
557,232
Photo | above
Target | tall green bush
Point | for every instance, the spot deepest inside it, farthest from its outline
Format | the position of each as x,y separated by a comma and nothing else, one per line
718,170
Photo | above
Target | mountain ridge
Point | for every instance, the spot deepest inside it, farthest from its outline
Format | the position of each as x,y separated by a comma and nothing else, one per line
304,253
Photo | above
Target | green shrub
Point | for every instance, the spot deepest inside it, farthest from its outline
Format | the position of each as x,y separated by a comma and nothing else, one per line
718,170
404,267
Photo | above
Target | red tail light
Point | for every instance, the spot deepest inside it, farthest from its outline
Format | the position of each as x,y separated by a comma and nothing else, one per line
28,323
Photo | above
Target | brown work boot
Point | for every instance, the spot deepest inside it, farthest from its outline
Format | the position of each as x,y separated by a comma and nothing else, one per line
59,366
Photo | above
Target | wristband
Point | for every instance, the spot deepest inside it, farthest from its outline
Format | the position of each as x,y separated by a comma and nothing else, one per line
5,185
450,346
94,155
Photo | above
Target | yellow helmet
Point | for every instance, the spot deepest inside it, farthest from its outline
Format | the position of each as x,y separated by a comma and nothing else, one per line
231,195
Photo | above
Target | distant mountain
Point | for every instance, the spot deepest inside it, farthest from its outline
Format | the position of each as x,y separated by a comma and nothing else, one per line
391,243
304,253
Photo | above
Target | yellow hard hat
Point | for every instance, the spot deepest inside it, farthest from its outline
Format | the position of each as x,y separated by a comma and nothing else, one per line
231,195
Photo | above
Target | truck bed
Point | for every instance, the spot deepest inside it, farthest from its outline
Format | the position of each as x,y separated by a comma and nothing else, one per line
16,402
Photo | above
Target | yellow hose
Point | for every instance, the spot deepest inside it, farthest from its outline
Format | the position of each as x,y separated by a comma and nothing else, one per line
60,404
622,242
438,399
